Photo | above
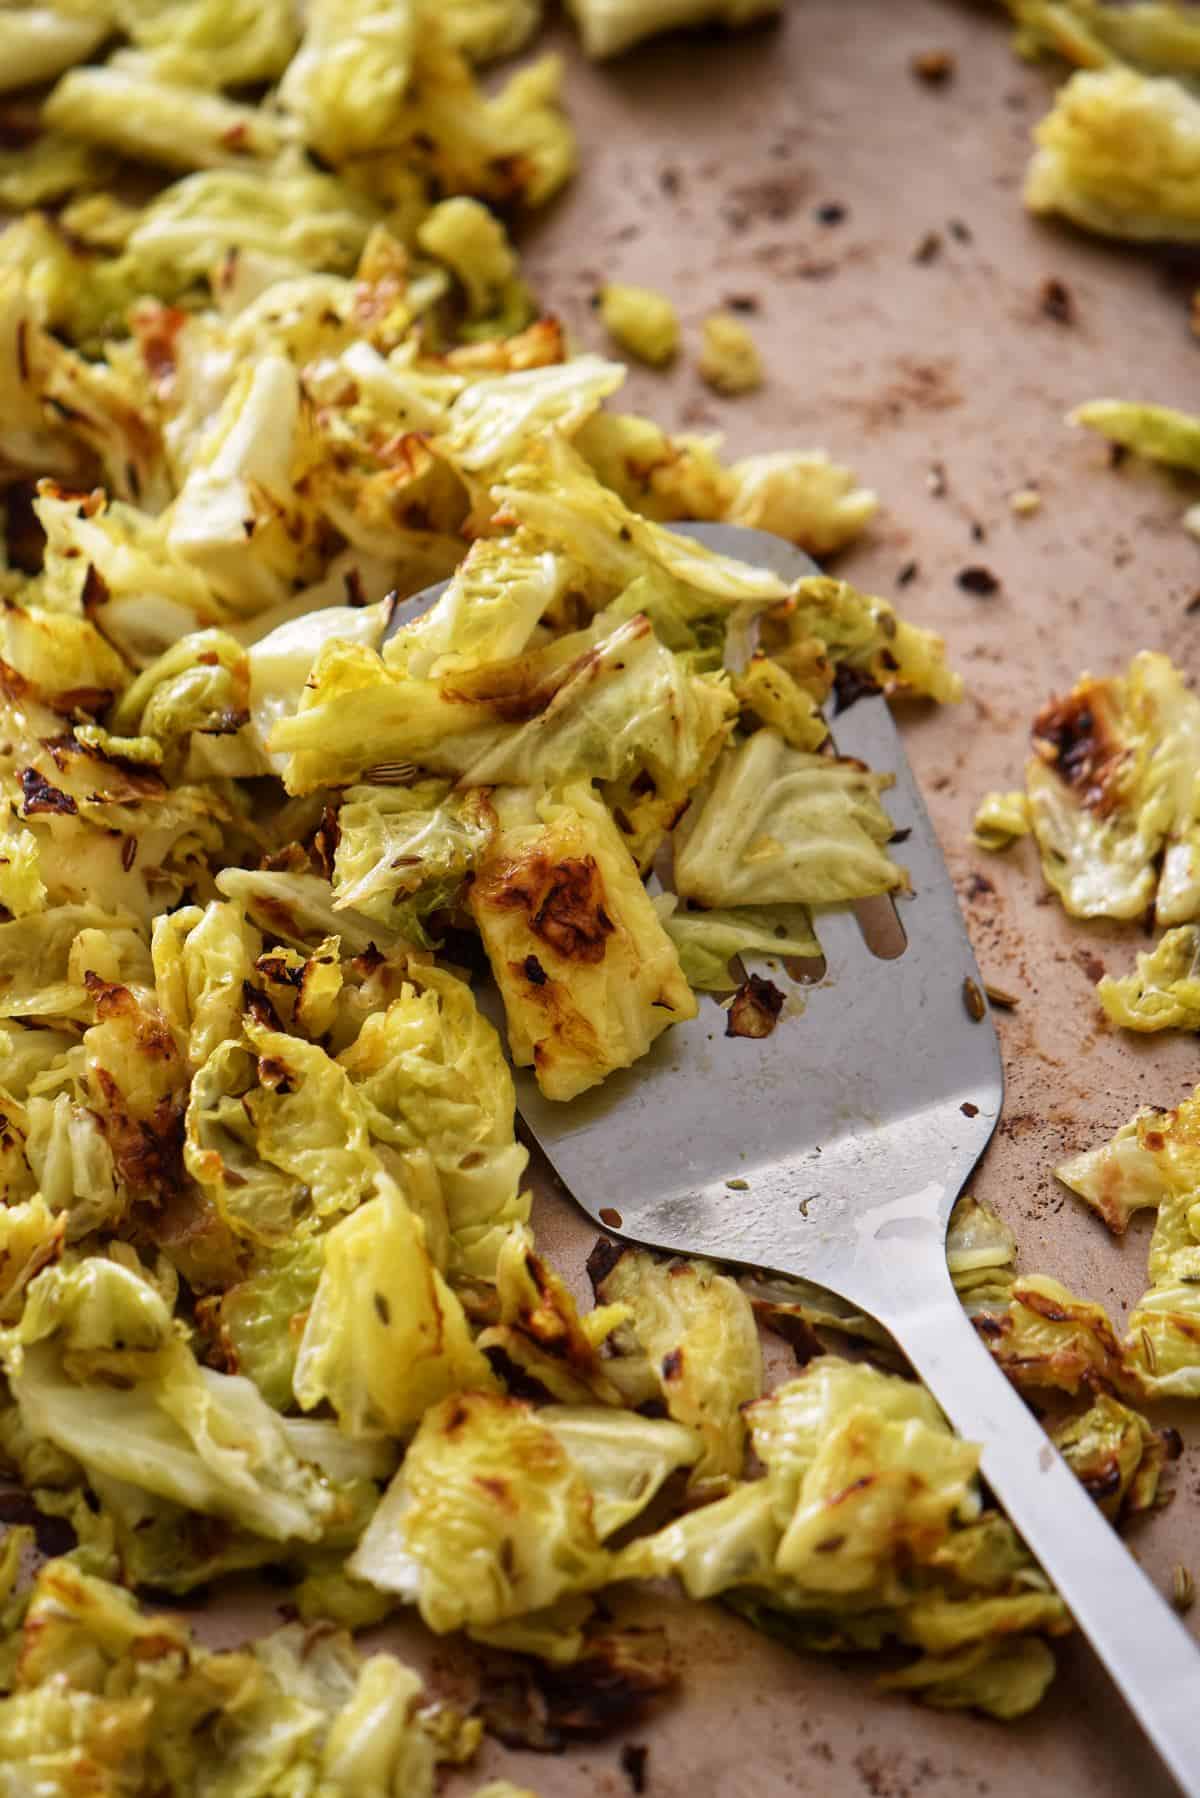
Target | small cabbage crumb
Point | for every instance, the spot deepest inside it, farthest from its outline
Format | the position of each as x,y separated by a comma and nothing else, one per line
643,322
1001,819
729,359
1025,502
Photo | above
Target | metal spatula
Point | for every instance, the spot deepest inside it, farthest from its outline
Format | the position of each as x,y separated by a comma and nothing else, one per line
850,1132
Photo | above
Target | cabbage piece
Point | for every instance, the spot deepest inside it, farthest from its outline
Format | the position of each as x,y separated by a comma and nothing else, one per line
385,1338
487,1519
958,1591
58,661
610,26
488,612
485,29
38,42
404,852
41,974
132,1079
556,495
1137,1169
301,219
776,826
49,169
431,1076
1005,1678
588,976
659,476
801,495
213,43
708,940
282,658
108,1693
827,623
199,687
1118,154
140,594
642,322
202,961
277,1135
494,420
1115,1454
101,409
22,889
844,1435
18,1181
255,1327
1113,791
30,1239
712,1549
1163,993
202,1439
769,694
1158,432
72,1161
1000,819
1159,38
128,106
384,92
729,359
885,1516
298,909
304,991
31,441
1161,1341
348,83
540,1333
108,828
1050,1339
602,708
238,519
697,1328
474,246
30,1054
625,1459
981,1254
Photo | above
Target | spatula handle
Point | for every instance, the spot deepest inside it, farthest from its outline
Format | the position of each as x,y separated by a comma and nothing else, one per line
1140,1640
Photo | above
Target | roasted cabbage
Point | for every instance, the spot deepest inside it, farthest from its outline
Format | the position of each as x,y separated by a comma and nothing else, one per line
269,1296
1112,797
1118,154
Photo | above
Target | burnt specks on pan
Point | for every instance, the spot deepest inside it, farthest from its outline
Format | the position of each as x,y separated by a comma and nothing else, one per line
936,68
755,1009
978,580
1076,736
634,1756
1056,301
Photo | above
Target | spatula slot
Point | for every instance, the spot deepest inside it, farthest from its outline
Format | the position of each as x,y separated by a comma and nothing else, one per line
882,931
808,970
